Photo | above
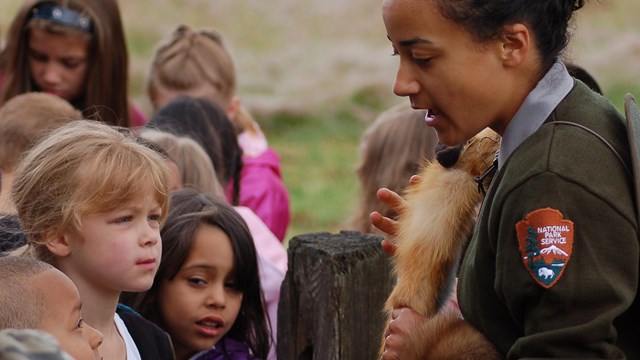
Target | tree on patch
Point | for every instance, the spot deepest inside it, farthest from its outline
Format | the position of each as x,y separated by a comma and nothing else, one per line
532,245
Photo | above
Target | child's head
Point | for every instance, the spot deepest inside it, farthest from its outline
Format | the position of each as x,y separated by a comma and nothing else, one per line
25,119
35,295
194,165
207,286
71,48
392,149
193,63
205,122
80,173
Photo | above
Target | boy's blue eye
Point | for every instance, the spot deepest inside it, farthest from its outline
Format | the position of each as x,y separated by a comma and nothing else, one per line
154,217
124,219
80,324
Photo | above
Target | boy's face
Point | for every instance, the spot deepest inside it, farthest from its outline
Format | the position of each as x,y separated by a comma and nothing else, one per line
126,241
62,318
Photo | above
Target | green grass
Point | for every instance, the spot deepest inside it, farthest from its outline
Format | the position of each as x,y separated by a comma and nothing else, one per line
319,155
617,91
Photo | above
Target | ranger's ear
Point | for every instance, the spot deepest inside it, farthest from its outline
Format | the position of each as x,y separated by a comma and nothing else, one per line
447,156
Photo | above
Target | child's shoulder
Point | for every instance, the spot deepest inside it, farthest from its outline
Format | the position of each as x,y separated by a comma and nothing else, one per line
151,340
234,350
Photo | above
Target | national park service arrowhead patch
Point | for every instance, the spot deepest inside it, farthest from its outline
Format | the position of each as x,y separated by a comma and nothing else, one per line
545,240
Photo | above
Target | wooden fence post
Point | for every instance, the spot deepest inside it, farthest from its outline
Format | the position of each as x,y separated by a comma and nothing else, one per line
332,297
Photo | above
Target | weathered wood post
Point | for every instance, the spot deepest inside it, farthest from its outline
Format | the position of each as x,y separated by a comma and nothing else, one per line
332,297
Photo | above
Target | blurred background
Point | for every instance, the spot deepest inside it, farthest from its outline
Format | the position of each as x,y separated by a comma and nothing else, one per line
315,73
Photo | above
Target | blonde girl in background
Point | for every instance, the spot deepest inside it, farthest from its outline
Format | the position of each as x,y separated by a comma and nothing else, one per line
74,49
391,149
194,165
91,200
197,63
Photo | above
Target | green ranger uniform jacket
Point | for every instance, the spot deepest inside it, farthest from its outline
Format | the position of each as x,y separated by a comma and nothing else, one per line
552,268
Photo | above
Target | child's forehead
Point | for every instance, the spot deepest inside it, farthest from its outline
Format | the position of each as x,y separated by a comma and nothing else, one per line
56,281
143,199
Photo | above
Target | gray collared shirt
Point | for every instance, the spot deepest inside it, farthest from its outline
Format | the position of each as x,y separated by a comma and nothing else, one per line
535,109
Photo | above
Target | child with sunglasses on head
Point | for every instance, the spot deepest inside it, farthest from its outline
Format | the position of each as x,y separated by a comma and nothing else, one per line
91,199
74,49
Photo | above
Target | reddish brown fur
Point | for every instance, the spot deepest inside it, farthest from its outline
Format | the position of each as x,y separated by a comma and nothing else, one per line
434,227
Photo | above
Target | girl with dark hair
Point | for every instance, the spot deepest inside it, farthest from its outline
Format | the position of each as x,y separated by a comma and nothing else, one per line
257,185
74,49
209,126
206,293
551,270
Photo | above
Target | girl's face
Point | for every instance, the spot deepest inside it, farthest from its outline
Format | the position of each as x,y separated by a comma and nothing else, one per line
58,63
118,250
443,69
201,303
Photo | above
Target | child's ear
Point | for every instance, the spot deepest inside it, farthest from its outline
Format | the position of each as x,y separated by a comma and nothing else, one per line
58,243
233,108
516,44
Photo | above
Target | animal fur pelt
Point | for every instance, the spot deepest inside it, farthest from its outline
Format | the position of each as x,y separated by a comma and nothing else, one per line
434,227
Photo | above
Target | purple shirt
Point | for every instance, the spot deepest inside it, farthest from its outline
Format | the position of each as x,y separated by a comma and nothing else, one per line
235,350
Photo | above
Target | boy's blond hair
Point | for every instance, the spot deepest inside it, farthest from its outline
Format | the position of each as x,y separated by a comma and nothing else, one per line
83,168
25,119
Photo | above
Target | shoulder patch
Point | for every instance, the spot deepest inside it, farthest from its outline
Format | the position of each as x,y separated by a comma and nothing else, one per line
545,240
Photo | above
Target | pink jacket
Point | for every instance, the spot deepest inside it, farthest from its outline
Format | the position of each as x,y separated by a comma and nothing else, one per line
136,117
272,262
263,191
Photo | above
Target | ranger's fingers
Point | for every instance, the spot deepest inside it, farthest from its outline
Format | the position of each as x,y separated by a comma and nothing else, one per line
385,224
415,179
388,247
391,198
